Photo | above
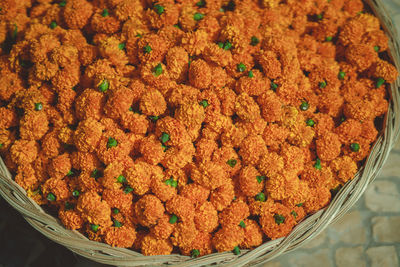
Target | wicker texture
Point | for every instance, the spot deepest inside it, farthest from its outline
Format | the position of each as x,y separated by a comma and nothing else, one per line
303,232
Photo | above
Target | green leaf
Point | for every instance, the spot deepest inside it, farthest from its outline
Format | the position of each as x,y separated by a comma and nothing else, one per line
173,219
111,142
254,41
53,25
121,179
241,67
231,162
103,87
355,147
105,13
51,197
117,223
147,49
164,138
260,197
260,179
195,253
379,82
204,103
94,227
159,9
198,16
279,219
317,164
158,70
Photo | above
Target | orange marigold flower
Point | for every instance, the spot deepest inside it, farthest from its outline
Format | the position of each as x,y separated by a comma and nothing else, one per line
57,187
60,166
277,222
152,245
251,149
199,74
282,186
251,181
318,199
177,60
94,210
191,115
84,161
182,207
163,229
34,125
222,196
24,151
196,193
151,150
152,48
317,177
328,146
361,56
246,108
184,234
204,149
228,237
202,243
87,135
122,237
217,55
253,235
148,210
169,16
349,130
26,177
206,217
8,118
71,219
162,190
385,70
234,213
77,13
139,177
209,175
195,42
101,24
114,145
344,168
51,145
153,103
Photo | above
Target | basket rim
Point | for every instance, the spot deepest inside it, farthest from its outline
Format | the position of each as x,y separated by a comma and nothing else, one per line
303,232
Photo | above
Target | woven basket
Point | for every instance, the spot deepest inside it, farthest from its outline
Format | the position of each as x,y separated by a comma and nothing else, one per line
303,232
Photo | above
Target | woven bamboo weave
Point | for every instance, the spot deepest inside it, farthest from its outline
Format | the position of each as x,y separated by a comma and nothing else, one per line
302,233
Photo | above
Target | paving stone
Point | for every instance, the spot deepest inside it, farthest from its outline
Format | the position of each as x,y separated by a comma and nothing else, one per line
397,146
317,241
314,258
384,256
382,195
349,229
271,264
391,167
345,257
386,229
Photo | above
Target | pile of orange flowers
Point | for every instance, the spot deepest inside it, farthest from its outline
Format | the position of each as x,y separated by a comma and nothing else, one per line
188,126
